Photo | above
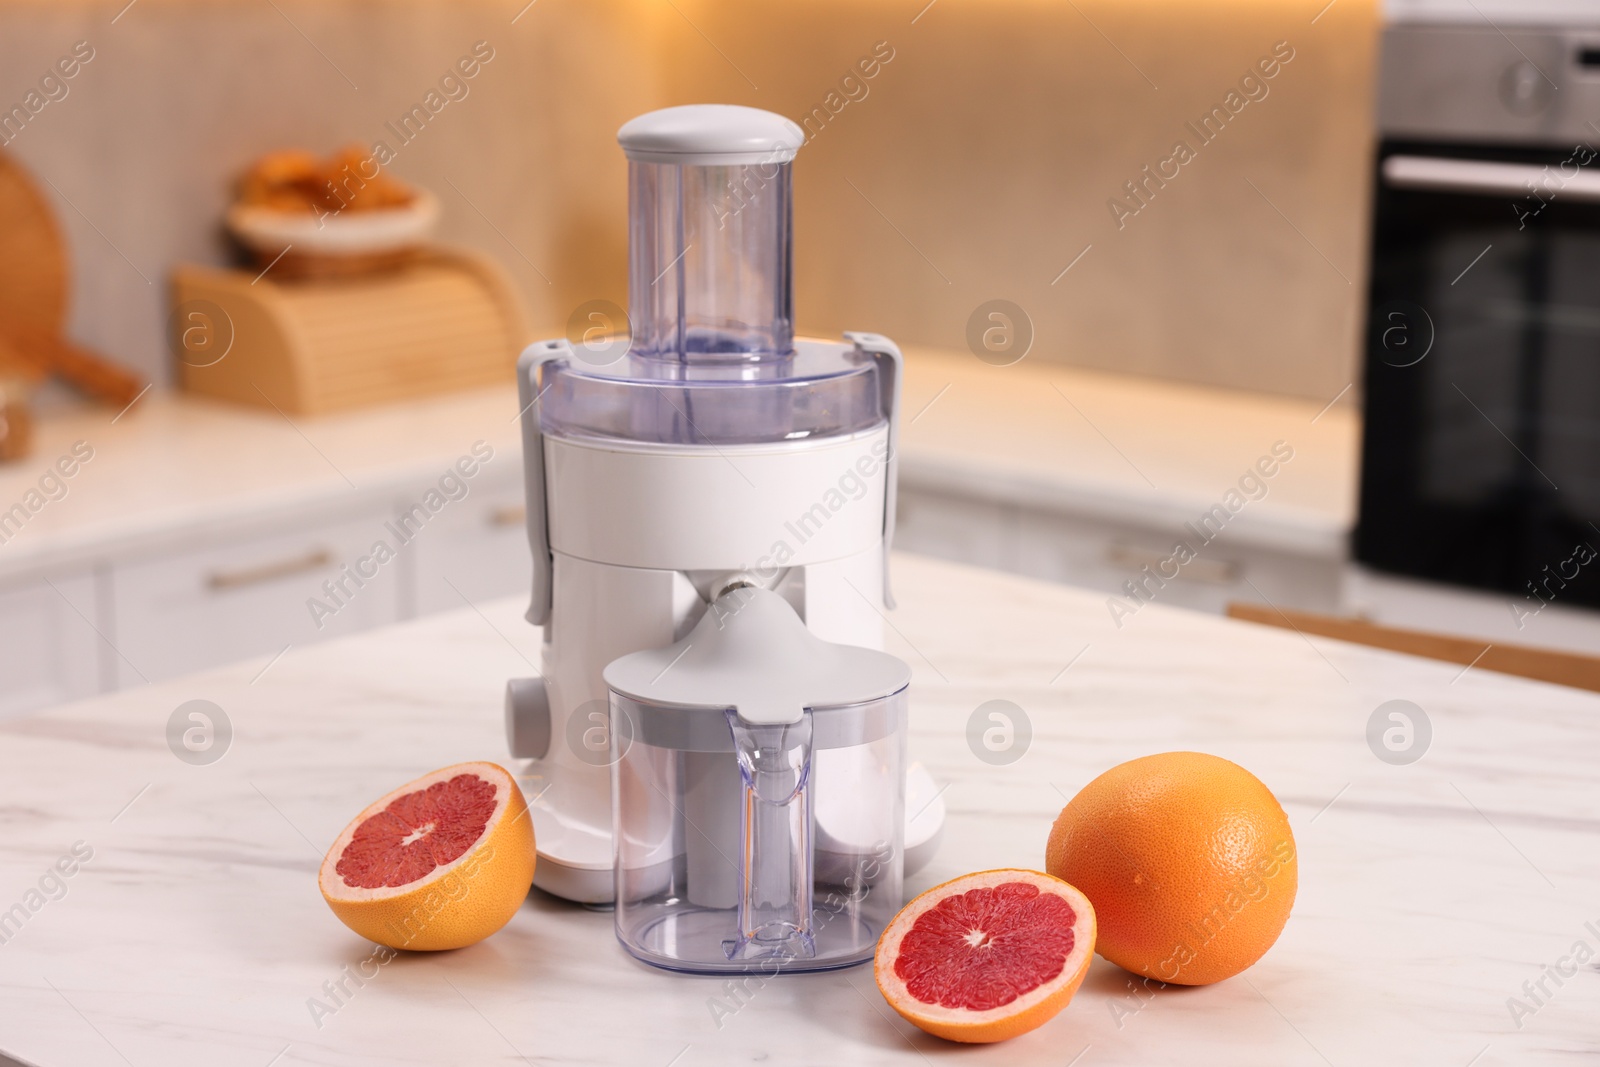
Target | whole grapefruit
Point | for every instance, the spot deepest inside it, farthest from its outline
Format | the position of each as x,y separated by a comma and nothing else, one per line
1188,860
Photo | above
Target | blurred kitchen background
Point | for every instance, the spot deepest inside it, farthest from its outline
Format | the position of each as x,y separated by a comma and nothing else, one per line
1107,339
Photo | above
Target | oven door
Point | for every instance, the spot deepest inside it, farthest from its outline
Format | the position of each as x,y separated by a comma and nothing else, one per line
1481,460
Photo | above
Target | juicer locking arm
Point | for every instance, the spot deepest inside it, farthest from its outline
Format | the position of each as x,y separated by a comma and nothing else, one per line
892,365
527,701
528,396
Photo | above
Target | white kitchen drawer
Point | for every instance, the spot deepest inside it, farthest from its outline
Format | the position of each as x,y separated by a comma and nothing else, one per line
477,549
1102,556
1105,556
185,612
49,651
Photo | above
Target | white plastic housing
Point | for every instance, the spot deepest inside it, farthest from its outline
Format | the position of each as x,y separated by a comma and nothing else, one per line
640,537
760,508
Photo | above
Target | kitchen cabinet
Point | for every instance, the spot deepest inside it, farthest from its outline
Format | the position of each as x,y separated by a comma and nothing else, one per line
248,592
201,529
49,650
475,550
1103,555
181,612
145,618
958,527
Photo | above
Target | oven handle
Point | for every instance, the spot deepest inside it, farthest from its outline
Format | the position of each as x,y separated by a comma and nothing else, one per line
1483,176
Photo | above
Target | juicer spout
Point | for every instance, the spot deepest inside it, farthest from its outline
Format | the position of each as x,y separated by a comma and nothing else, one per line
776,847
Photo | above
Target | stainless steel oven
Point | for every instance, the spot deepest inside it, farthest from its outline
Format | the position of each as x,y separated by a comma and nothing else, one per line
1481,458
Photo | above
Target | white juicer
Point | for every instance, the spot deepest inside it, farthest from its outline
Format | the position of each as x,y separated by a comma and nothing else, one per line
715,451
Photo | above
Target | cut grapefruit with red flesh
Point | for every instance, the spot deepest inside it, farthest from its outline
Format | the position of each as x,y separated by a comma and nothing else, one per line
987,956
439,863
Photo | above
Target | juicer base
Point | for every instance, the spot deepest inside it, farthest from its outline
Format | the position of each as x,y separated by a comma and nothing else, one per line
570,881
575,859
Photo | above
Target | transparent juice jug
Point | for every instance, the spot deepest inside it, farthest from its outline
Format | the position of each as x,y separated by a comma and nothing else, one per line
758,788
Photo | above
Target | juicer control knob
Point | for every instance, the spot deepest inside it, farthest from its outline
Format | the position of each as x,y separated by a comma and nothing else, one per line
527,718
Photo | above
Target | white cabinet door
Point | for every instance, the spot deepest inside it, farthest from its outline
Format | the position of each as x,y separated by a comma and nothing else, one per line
1103,556
49,650
960,528
476,549
188,611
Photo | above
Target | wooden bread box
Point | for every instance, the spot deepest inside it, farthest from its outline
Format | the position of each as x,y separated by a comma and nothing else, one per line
448,320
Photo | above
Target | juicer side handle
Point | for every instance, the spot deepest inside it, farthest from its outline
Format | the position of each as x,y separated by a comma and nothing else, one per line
892,372
528,395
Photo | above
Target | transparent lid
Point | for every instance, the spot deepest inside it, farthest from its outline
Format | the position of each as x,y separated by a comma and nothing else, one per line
711,355
818,390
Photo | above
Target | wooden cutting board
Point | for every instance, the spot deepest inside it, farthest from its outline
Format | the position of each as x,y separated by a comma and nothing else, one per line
33,257
34,281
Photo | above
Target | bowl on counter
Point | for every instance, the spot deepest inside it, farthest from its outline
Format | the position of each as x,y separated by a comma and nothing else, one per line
334,244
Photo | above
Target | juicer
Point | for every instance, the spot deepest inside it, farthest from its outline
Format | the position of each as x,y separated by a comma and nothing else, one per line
713,451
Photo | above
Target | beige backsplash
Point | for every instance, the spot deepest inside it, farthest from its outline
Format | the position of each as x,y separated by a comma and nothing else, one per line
975,164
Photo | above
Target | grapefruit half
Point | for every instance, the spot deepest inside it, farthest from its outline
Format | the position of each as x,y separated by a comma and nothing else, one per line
440,863
987,956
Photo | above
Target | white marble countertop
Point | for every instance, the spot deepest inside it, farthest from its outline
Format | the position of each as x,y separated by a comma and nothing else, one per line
1428,893
1155,453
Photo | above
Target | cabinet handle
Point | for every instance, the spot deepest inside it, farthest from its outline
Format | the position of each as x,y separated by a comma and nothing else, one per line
508,516
1210,571
267,572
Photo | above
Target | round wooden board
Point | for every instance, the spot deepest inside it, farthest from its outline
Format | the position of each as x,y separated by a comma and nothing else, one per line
33,257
